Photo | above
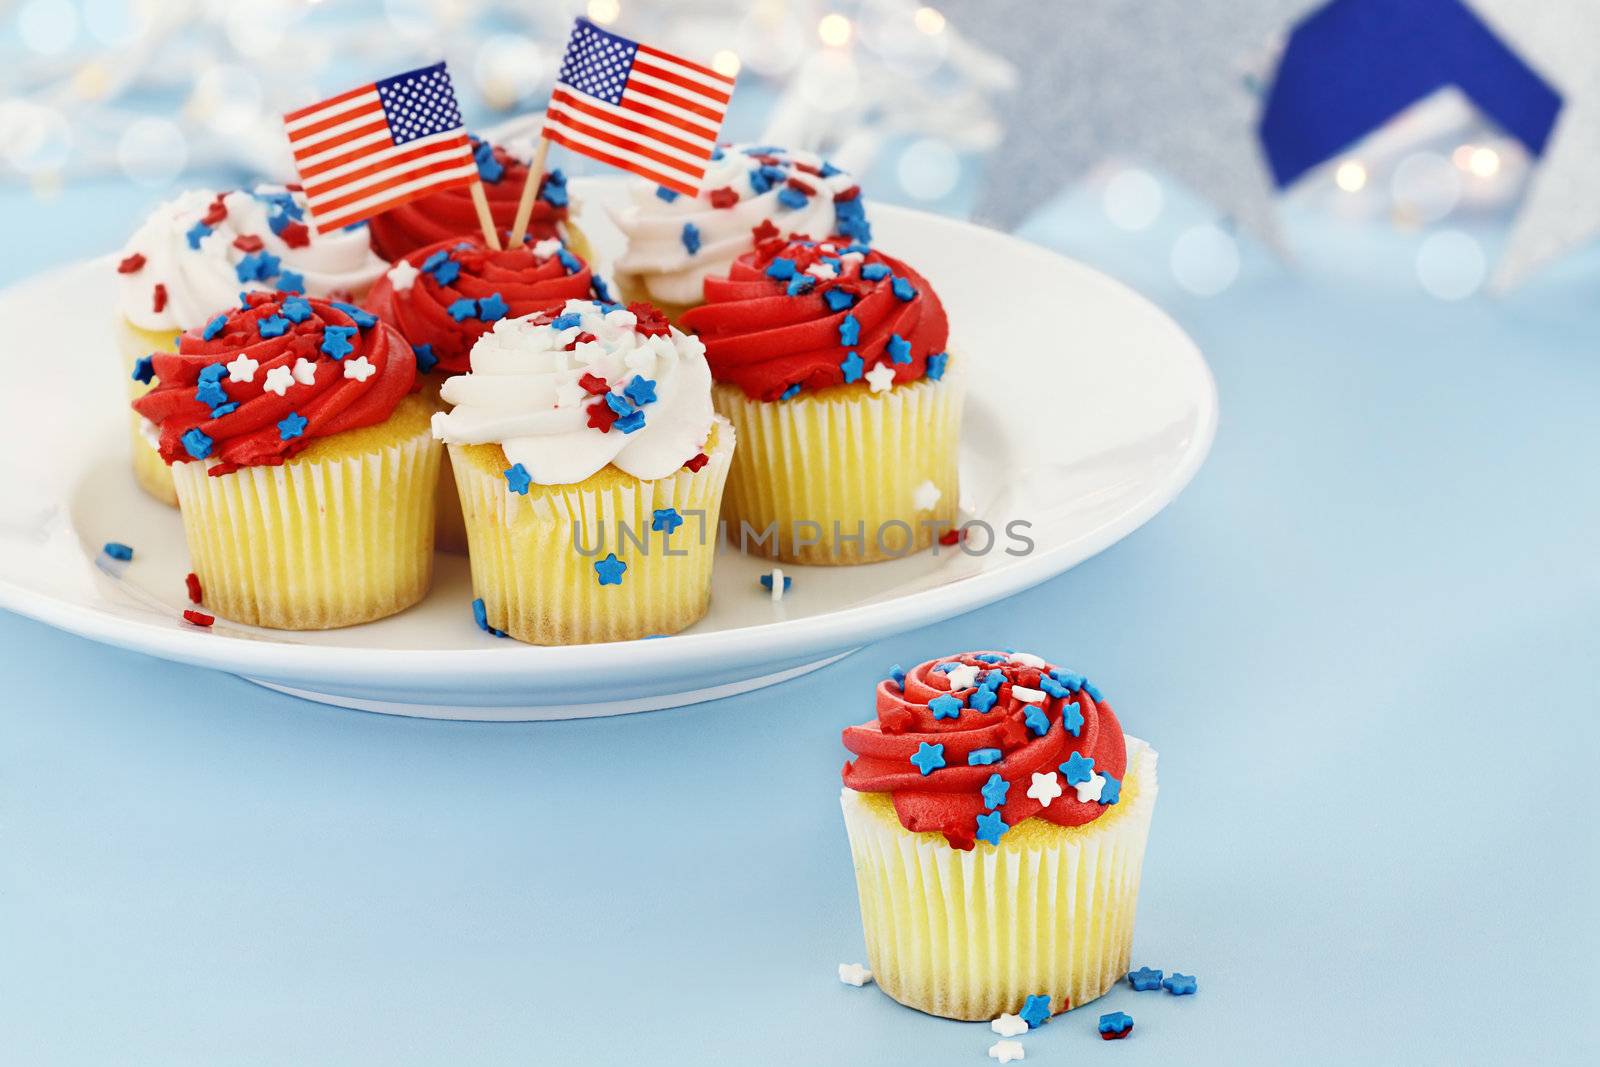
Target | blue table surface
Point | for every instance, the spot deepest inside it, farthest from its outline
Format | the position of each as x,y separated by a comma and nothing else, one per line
1363,641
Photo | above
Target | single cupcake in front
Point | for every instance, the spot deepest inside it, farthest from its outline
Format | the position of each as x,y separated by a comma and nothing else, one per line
590,467
303,462
830,363
997,817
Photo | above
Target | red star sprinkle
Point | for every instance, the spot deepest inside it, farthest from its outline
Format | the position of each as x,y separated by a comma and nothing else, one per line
295,187
582,338
601,416
652,323
807,168
198,618
215,213
804,187
849,194
594,386
132,263
192,582
158,297
295,234
698,461
951,537
765,231
724,197
248,242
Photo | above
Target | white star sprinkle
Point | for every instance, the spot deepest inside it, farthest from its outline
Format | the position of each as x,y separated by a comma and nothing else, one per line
880,377
305,371
1026,659
402,275
825,271
777,584
242,368
1090,790
927,496
1026,695
547,247
1006,1051
1045,788
854,974
570,395
278,380
1009,1025
963,676
360,368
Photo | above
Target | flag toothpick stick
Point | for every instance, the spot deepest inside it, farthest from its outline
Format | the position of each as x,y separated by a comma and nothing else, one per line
530,192
480,201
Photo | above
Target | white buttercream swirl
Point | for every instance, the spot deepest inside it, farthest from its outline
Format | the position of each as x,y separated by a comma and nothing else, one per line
202,281
524,394
657,255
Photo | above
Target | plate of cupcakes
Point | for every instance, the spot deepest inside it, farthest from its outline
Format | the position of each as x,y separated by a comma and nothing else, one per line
664,447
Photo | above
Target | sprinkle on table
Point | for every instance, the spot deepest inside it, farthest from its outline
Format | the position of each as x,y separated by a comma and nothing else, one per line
191,583
118,550
480,615
1116,1025
1006,1050
1145,979
776,582
1180,985
854,974
198,618
1036,1010
1009,1025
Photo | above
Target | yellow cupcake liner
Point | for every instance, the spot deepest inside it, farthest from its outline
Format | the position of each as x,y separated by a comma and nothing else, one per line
970,935
845,456
341,534
149,469
540,587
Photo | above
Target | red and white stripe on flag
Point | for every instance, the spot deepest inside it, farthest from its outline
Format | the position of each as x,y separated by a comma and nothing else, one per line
636,107
377,146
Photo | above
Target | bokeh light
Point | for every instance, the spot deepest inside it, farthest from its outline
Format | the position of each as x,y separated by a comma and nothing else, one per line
1426,186
227,98
834,30
1132,199
1451,265
35,138
48,27
1205,260
1351,176
152,151
604,12
928,169
829,81
725,62
928,20
116,23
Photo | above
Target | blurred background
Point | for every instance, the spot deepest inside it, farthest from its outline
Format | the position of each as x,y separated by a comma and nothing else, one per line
1182,145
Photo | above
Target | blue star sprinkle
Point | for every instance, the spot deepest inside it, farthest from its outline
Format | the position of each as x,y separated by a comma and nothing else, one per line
994,791
553,190
214,327
852,367
197,233
426,360
463,309
1051,687
936,365
1093,691
517,479
447,272
669,195
899,349
224,409
609,570
766,582
800,284
989,657
569,262
336,341
212,372
210,393
1180,985
360,316
945,707
436,260
601,293
641,390
690,238
118,550
873,272
1077,769
1117,1022
1145,979
291,426
897,675
1071,718
275,326
144,369
983,757
838,299
849,331
1036,720
1068,679
982,699
632,421
993,680
490,169
1036,1011
567,321
946,668
992,827
493,307
665,520
791,197
791,392
619,403
1111,792
295,309
781,268
196,443
257,267
291,281
903,289
480,615
928,758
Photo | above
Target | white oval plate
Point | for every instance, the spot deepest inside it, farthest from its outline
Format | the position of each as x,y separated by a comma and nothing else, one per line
1088,411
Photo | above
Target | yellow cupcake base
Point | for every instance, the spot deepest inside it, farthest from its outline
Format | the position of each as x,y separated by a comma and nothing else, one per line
538,586
970,935
341,534
844,458
149,469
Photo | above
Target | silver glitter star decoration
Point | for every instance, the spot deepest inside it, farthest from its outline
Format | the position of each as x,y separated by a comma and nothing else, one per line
1561,209
1175,84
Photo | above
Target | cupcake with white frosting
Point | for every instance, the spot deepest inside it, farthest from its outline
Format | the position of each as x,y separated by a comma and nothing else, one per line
193,256
749,191
590,466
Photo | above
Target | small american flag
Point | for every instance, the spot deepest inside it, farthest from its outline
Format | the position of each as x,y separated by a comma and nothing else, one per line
637,107
375,147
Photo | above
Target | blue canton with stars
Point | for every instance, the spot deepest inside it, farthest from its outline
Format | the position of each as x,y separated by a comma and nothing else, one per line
419,103
597,63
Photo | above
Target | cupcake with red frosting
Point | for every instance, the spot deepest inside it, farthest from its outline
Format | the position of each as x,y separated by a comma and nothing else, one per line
450,213
302,459
997,817
830,361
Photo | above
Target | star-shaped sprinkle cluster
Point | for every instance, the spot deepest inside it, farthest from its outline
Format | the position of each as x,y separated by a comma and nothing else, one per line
1036,1010
1115,1025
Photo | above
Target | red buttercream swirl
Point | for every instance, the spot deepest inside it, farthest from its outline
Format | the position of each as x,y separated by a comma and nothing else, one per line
249,433
765,341
525,282
949,799
450,212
